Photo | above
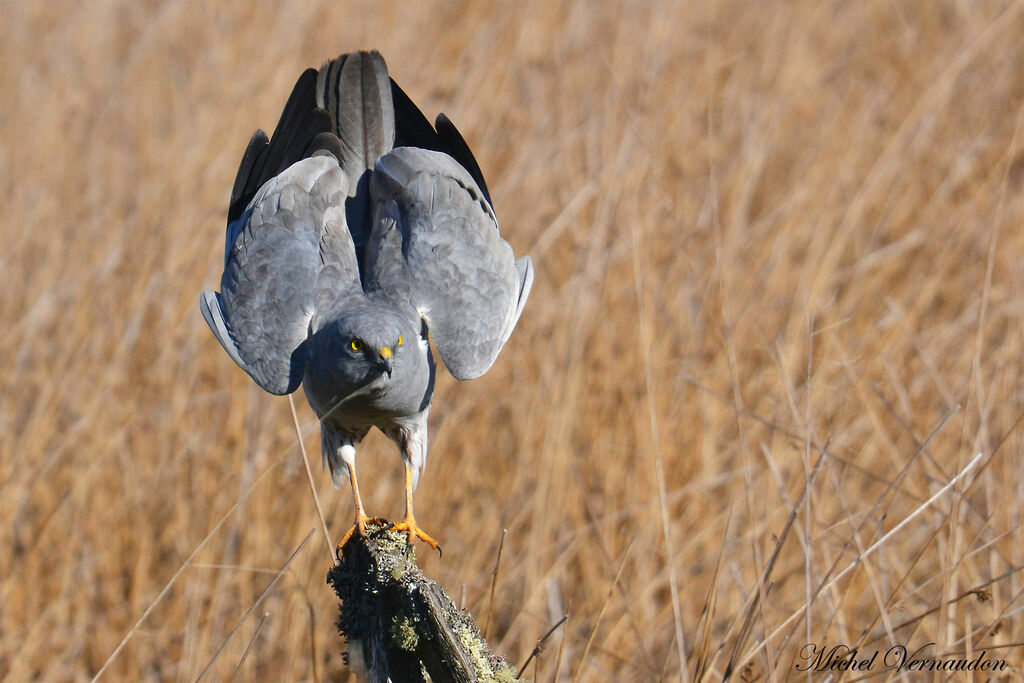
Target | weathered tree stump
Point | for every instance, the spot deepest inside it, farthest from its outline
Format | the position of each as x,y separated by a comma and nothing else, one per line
402,626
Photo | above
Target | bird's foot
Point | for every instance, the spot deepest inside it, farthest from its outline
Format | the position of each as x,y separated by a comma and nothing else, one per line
409,526
359,529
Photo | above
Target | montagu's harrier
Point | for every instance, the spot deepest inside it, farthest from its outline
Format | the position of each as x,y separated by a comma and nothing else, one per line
355,230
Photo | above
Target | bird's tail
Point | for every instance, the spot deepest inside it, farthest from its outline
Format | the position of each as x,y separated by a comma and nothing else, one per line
356,92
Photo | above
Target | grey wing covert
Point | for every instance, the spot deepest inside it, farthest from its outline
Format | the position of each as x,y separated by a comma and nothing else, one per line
269,288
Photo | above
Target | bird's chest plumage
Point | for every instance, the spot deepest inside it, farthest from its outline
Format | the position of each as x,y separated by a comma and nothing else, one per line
376,401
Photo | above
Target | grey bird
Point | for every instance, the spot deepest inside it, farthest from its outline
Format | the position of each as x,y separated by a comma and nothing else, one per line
357,234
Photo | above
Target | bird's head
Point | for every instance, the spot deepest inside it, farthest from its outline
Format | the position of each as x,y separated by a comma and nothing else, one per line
371,345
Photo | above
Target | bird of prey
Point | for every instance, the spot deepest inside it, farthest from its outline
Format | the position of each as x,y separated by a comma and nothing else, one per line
358,234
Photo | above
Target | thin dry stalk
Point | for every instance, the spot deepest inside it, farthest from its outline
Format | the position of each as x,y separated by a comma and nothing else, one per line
600,614
312,485
875,546
971,591
707,613
755,596
494,583
891,490
255,604
561,649
535,653
652,414
314,660
167,587
602,547
248,647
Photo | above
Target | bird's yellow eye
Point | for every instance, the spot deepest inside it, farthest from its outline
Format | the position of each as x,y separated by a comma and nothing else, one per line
399,340
356,344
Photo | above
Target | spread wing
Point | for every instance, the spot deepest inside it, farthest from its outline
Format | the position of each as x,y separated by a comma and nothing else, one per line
290,245
435,242
289,250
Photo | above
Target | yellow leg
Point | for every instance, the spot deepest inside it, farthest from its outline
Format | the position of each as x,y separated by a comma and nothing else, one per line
361,519
408,524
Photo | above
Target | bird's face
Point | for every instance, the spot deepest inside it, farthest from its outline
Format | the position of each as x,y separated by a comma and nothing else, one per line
375,353
371,349
370,360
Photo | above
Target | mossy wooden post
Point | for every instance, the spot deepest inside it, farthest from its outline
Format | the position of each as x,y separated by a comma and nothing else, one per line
401,625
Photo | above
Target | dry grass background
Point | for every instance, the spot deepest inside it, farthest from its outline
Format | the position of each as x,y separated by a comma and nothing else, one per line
759,228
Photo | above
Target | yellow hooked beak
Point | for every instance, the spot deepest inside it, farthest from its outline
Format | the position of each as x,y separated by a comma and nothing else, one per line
385,359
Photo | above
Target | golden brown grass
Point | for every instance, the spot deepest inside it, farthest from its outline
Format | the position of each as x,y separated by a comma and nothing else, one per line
759,228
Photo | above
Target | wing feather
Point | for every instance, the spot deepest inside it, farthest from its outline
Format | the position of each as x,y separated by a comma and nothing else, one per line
298,134
412,129
454,266
276,268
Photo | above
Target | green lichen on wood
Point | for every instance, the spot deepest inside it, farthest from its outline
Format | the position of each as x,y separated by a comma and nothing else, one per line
485,664
403,633
403,623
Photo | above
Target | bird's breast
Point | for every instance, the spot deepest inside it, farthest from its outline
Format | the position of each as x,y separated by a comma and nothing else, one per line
373,403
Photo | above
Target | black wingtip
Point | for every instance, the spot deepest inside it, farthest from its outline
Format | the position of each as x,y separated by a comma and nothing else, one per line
458,149
301,124
252,162
413,129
